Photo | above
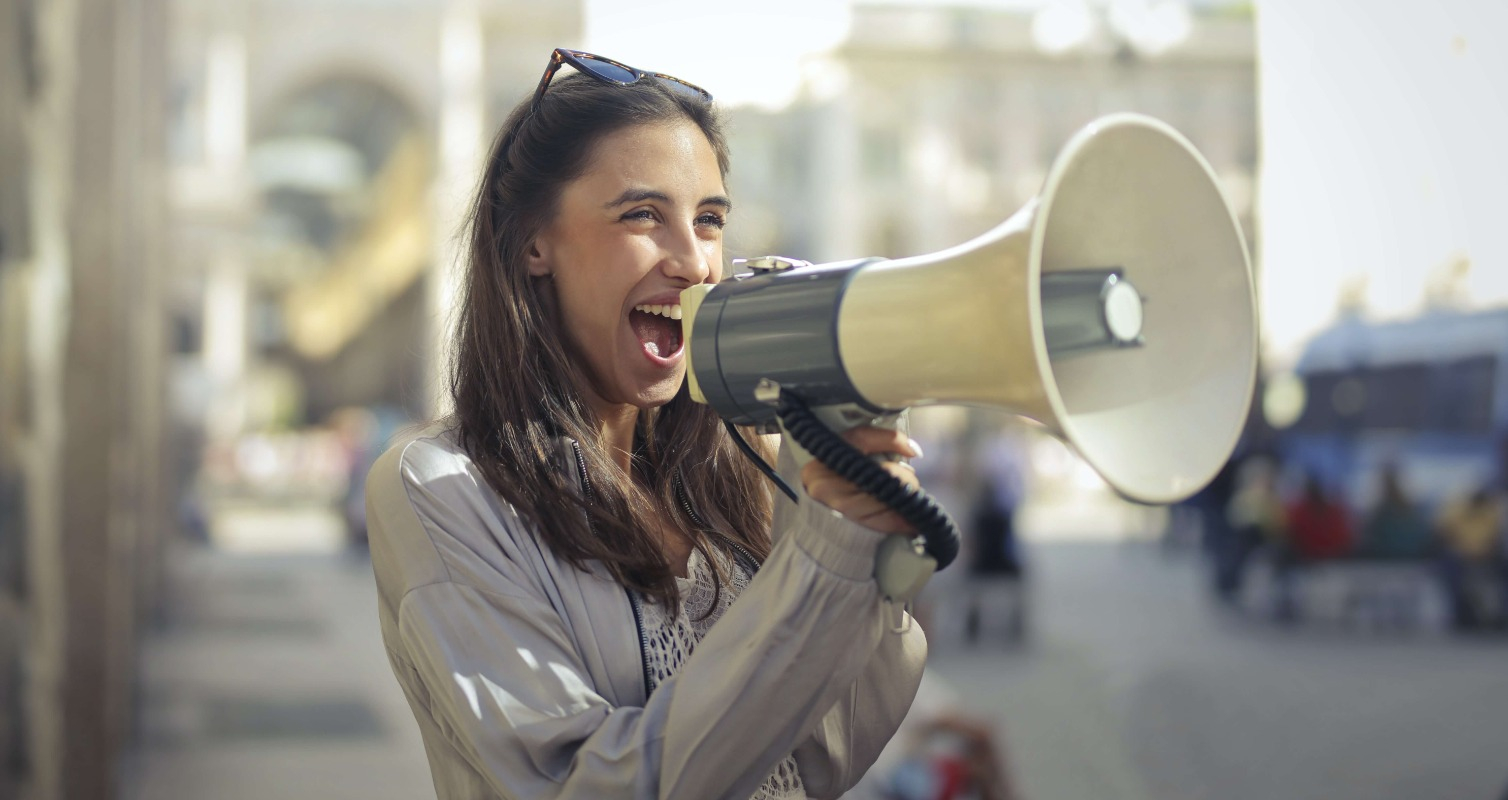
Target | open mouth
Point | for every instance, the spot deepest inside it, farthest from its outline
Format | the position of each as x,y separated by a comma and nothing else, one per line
658,328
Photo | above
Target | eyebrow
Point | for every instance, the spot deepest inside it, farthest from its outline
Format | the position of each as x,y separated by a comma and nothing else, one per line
640,195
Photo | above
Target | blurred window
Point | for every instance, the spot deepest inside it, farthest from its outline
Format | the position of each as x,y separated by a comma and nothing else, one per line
1451,397
1461,400
881,154
1395,397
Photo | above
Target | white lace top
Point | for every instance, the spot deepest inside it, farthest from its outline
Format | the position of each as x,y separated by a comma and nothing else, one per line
670,640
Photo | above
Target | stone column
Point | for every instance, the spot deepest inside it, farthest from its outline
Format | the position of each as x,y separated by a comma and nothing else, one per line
462,139
91,440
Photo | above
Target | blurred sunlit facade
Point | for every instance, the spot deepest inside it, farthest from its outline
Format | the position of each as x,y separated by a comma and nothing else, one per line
229,247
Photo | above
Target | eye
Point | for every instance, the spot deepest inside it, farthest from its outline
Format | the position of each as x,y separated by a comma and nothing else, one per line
639,215
711,219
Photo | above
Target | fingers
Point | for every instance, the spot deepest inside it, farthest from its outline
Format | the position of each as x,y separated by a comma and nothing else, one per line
875,441
831,490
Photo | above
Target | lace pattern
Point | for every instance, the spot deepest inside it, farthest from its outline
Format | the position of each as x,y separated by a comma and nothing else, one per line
672,634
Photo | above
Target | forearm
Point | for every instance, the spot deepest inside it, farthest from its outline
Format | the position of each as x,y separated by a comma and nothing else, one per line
848,739
792,646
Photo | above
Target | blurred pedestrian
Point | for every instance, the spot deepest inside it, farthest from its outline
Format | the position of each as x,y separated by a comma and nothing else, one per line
1318,529
1254,519
355,430
1210,503
1395,528
1471,560
1318,526
994,555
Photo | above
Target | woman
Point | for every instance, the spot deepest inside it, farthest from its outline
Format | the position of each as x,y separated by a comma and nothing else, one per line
557,563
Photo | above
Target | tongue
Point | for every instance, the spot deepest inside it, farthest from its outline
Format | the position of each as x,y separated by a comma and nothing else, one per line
660,336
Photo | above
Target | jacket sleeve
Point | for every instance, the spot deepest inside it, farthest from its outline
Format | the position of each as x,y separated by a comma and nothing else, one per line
849,737
509,692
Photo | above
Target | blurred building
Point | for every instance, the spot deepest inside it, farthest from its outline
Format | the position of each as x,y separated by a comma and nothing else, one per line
322,153
932,124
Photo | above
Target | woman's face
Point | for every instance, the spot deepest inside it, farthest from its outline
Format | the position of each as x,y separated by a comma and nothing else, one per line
642,223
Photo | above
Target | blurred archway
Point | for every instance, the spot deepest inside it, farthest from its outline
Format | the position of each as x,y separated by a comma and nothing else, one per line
341,242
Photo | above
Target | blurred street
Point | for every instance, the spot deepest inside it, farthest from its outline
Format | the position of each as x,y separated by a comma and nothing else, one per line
270,681
267,680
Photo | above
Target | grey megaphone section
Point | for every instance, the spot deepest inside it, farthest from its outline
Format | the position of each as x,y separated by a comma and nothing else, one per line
965,325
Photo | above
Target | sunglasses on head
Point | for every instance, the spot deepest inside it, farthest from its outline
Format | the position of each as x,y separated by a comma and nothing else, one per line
610,71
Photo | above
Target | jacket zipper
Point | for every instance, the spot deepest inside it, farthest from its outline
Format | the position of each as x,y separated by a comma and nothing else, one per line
633,599
750,562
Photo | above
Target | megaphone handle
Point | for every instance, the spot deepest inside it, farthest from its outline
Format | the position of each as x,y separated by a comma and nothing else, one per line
936,528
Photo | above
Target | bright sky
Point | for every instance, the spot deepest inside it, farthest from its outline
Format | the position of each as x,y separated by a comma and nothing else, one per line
741,52
744,53
1383,131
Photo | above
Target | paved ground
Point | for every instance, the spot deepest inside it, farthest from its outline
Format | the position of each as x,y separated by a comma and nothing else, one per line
1133,687
270,682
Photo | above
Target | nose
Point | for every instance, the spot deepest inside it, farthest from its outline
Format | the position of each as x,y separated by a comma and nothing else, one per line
687,256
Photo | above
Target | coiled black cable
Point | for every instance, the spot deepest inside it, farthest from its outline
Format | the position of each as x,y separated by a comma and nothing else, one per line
937,529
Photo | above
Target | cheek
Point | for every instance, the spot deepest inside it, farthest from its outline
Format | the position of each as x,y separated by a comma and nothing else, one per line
714,254
592,313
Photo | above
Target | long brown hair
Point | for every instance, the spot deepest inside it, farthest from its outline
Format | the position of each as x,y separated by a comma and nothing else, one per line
517,390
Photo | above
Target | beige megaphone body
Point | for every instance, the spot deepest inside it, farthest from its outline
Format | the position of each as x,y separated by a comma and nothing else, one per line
1116,309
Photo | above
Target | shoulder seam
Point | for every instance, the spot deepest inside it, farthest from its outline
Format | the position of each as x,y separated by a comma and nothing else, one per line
429,534
448,581
423,522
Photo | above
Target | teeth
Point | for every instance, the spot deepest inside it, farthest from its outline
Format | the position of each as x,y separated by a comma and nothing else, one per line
672,312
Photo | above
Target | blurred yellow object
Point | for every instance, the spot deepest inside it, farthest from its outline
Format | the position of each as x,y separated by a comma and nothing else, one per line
366,274
1470,526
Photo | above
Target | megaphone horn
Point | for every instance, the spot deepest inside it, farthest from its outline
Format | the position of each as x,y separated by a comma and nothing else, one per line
1116,309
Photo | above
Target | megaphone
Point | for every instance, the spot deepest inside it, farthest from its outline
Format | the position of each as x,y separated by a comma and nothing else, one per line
1116,309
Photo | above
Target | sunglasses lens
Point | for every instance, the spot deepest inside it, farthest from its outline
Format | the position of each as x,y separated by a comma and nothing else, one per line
684,89
606,71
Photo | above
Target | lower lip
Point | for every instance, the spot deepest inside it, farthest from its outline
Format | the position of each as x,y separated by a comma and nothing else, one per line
659,361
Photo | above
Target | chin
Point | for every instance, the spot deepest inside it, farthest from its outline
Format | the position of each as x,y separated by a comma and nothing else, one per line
654,398
659,393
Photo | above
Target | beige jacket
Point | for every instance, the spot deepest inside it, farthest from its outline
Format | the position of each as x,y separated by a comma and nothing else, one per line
526,674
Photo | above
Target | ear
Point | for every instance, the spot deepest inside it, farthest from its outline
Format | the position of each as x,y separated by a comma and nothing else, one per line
538,258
